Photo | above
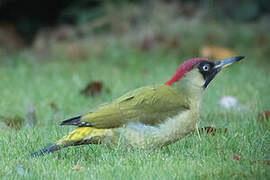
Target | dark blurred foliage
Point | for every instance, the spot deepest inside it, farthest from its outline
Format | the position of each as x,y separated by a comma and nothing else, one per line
241,10
28,16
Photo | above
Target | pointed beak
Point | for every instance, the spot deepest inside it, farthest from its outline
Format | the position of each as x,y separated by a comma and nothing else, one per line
227,62
220,65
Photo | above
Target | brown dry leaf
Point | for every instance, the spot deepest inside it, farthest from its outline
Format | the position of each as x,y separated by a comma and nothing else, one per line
263,116
236,157
211,130
15,122
54,107
77,168
92,89
216,52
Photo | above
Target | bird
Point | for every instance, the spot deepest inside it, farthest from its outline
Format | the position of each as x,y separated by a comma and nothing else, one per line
148,117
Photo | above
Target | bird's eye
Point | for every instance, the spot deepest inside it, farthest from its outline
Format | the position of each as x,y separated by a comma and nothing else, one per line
206,67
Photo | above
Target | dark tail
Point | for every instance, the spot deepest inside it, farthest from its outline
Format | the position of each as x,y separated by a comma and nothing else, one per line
72,121
46,150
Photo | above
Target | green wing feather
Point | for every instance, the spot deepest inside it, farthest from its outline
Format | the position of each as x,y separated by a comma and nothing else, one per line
149,105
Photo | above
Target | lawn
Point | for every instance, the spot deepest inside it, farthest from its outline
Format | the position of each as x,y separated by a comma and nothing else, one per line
52,88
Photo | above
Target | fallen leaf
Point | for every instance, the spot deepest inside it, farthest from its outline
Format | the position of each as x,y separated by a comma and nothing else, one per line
236,157
54,107
15,122
265,115
92,89
77,168
212,130
216,52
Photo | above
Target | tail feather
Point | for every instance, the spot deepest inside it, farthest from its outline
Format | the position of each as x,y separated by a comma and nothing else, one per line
46,150
79,136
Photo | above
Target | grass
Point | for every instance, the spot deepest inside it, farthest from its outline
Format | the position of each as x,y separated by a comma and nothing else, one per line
26,82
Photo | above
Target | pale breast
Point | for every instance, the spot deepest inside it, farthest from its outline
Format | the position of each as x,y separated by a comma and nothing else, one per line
171,130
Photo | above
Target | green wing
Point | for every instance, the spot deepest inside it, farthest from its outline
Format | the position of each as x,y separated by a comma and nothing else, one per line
149,105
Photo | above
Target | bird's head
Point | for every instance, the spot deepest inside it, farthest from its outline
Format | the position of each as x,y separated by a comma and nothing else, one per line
201,71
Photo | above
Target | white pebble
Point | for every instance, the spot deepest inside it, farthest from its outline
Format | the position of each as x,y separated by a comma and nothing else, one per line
228,102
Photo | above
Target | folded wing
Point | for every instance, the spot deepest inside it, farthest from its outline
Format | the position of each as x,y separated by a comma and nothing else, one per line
150,105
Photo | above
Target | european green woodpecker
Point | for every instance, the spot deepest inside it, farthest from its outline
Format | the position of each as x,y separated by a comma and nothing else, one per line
148,117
